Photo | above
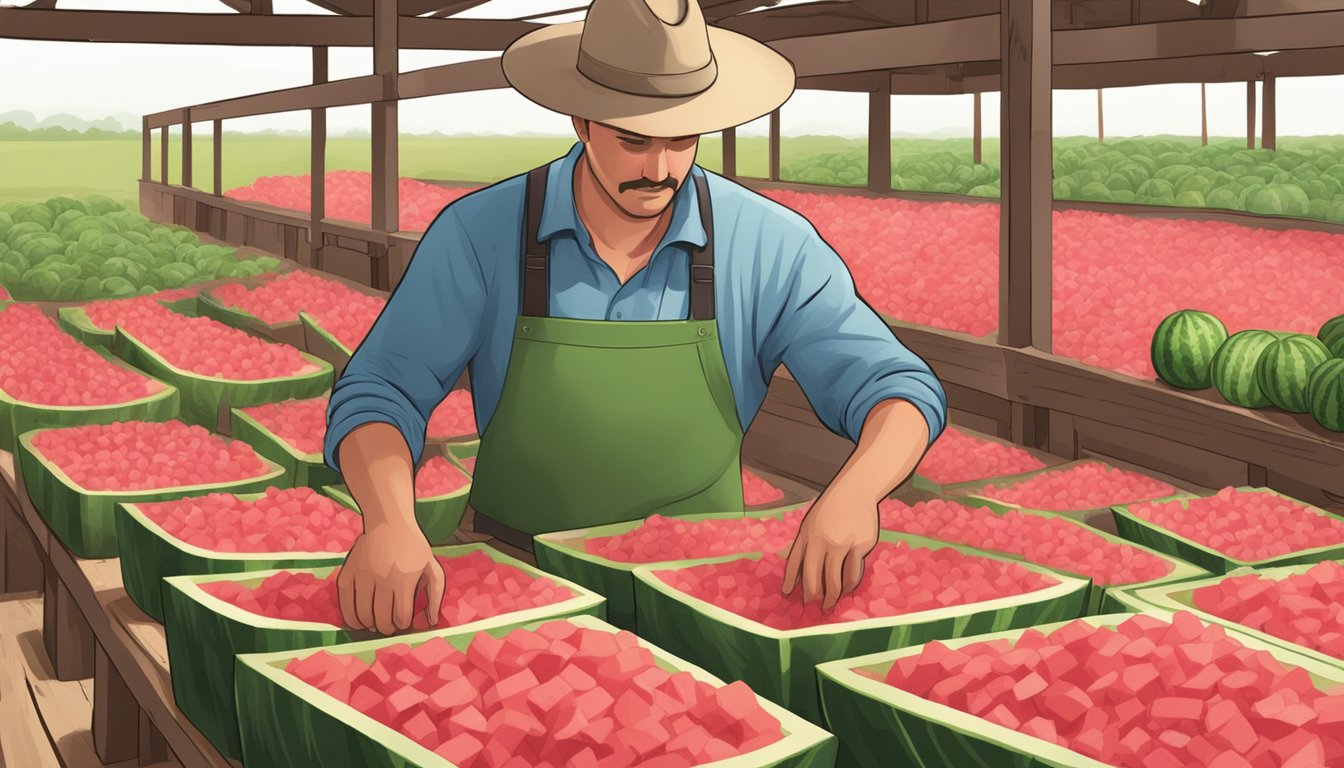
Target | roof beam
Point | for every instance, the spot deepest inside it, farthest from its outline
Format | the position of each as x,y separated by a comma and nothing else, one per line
241,6
1200,37
940,42
404,7
339,93
461,34
461,77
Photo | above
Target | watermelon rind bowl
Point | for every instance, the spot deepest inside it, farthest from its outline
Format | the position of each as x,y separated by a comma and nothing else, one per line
795,493
207,400
18,416
1099,598
438,516
1140,531
565,554
288,332
1097,517
923,483
305,469
320,342
75,321
286,722
880,725
86,521
149,554
205,633
779,663
1180,597
458,453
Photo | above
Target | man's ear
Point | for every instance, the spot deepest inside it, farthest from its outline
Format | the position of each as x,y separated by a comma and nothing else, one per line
580,128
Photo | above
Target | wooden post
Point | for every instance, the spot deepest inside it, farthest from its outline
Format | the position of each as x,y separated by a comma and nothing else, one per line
1204,114
1250,114
317,145
219,156
1268,130
1024,218
186,151
879,137
163,155
385,170
116,727
66,634
145,151
975,140
774,145
730,152
1101,120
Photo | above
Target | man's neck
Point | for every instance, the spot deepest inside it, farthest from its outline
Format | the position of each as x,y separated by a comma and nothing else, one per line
615,233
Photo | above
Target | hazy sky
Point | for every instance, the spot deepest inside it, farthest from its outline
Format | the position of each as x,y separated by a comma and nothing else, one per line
93,80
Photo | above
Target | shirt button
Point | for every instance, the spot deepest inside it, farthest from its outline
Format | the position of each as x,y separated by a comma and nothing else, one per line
618,315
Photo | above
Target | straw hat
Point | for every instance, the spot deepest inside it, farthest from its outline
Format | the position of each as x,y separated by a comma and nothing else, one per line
652,67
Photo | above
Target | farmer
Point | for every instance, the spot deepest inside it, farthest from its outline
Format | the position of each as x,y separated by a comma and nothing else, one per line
590,413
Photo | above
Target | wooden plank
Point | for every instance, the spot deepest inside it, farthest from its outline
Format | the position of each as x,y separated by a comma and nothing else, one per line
730,152
976,141
353,244
1030,426
461,77
291,238
115,713
1200,37
351,265
340,93
23,741
186,153
65,632
1268,130
22,554
1101,119
145,150
317,160
461,34
81,26
153,748
943,42
1250,114
879,137
774,145
163,154
1203,114
809,453
1063,435
1191,467
1024,218
169,117
218,147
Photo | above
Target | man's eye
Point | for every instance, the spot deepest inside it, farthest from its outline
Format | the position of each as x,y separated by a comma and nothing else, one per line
633,142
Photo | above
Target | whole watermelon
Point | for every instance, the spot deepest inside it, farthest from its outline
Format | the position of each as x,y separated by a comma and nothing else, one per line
1332,330
1325,393
1234,366
1285,370
1336,345
1183,348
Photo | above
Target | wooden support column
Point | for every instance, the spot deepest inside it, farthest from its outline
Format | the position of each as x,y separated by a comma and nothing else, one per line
1204,114
186,152
774,145
153,747
145,151
163,155
1250,114
730,152
317,192
879,137
1101,119
1026,200
976,139
116,726
219,156
385,170
1268,130
66,634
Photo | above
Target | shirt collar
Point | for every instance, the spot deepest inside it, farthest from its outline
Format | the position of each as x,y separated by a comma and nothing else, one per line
559,212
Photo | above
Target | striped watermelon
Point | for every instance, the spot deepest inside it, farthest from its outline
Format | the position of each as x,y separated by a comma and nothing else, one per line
1325,394
1332,330
1183,348
1285,370
1336,345
1234,367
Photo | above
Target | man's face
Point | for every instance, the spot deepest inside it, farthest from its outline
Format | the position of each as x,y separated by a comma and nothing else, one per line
639,172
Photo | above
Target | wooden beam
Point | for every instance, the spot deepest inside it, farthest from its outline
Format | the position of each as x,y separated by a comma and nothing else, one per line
167,117
774,145
730,152
186,153
163,154
1250,114
462,77
241,6
944,42
341,93
462,34
262,7
317,166
384,115
879,138
1203,115
145,150
438,8
1268,129
1101,119
1200,37
218,147
855,82
975,136
1026,200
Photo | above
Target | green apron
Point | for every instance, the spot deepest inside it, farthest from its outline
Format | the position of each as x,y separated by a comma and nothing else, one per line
603,421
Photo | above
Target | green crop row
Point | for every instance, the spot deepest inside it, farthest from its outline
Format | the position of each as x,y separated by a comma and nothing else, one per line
80,250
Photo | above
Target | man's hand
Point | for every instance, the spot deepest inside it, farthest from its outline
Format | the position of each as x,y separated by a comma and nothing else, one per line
836,534
382,575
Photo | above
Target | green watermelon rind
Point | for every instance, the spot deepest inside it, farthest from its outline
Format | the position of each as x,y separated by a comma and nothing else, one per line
75,321
207,400
320,342
1331,329
287,722
780,664
880,725
1140,531
457,452
1241,390
1186,368
18,416
1099,598
205,633
150,554
86,521
1174,597
564,553
306,469
1287,390
289,332
438,516
923,483
1325,400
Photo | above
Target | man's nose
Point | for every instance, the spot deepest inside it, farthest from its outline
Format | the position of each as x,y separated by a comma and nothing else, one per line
655,167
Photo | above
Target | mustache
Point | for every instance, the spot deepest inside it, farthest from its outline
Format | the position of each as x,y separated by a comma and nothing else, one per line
643,183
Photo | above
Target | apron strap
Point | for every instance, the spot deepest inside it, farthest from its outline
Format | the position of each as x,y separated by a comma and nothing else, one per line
536,253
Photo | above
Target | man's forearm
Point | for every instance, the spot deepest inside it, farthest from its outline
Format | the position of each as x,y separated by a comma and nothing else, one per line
378,470
894,437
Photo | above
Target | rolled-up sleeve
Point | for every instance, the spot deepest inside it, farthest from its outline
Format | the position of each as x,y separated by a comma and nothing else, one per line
843,355
418,347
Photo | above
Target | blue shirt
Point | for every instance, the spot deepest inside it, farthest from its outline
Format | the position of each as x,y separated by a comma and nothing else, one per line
782,295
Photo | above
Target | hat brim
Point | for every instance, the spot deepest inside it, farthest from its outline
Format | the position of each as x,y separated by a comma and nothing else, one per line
753,80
